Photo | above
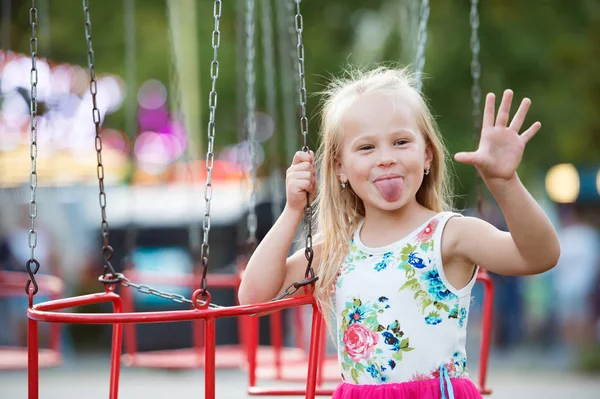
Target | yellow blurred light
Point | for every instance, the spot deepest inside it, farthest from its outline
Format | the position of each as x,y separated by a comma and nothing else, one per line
562,183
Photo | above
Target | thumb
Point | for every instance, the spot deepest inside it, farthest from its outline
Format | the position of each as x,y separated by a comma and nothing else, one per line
469,158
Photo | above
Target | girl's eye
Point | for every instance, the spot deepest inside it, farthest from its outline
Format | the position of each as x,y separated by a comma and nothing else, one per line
401,142
365,147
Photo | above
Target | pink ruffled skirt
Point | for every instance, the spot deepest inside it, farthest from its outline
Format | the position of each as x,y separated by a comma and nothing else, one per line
462,388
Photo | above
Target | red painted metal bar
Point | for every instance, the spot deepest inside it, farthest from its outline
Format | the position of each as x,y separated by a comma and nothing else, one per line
46,312
276,341
32,353
209,358
486,338
315,352
14,357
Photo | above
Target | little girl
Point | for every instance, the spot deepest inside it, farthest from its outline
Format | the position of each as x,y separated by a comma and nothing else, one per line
400,265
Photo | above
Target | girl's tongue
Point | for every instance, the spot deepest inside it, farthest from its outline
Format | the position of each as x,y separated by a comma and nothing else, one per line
390,189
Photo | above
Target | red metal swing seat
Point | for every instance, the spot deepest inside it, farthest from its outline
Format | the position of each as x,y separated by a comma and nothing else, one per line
48,312
15,357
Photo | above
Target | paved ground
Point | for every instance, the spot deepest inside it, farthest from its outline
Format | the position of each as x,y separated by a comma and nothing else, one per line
88,378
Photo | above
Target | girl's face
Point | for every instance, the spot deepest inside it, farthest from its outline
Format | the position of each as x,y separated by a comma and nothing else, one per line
384,155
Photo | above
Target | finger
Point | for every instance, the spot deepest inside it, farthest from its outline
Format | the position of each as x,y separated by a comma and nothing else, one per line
529,133
300,175
488,112
301,156
307,166
504,110
306,185
519,117
468,158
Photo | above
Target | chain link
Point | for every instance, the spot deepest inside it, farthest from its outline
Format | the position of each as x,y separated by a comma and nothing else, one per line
308,252
421,43
107,251
252,220
476,91
145,289
33,150
210,154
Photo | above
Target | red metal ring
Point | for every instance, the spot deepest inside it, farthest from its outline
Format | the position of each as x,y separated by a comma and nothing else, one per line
205,297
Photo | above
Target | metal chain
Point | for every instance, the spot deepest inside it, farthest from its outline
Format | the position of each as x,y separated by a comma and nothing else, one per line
252,220
421,43
33,150
308,252
107,250
271,94
210,154
476,90
145,289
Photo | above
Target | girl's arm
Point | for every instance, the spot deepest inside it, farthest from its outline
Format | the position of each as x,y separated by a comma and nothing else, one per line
269,270
531,245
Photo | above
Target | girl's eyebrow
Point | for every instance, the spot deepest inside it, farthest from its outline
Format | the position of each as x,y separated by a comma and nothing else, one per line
367,136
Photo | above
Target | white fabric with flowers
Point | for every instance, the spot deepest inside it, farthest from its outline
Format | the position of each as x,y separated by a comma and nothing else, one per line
398,317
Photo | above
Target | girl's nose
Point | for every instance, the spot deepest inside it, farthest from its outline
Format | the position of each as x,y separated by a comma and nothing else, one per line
386,159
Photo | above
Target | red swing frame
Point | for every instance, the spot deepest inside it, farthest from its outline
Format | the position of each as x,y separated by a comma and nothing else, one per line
15,357
48,312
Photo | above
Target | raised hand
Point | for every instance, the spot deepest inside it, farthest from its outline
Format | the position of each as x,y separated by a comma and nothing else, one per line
300,179
501,146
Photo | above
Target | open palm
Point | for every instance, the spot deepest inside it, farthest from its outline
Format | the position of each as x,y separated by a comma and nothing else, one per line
501,146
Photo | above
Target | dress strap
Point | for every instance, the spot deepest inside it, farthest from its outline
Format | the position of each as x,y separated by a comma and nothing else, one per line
445,378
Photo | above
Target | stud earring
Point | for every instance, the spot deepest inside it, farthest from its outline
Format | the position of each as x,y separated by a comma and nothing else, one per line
427,172
343,184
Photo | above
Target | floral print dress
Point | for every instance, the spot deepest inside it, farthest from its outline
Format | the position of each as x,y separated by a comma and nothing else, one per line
398,318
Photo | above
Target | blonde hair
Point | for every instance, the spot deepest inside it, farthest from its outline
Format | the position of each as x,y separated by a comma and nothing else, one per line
338,211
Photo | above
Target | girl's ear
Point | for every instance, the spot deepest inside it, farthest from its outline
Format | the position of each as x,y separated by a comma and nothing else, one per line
339,170
428,156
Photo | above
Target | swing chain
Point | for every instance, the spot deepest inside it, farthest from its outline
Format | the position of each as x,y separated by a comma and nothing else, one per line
421,43
308,253
210,155
252,221
33,150
109,276
476,89
146,289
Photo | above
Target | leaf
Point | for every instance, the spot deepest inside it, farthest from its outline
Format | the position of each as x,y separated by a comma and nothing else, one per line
360,367
408,249
371,323
425,246
379,351
425,303
356,302
397,356
404,343
442,306
354,374
412,284
380,328
408,349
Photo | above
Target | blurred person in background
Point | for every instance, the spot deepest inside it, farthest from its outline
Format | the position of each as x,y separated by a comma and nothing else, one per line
574,278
